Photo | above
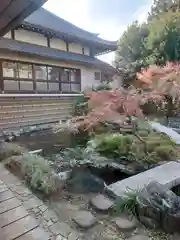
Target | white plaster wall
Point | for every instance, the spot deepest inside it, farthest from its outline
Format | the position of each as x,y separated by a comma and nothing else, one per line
39,39
117,81
8,35
75,48
58,44
87,78
30,37
86,51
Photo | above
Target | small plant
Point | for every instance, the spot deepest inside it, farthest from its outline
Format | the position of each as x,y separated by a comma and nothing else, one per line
36,171
10,149
128,203
76,157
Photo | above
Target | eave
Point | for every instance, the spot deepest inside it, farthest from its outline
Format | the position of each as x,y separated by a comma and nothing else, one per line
13,12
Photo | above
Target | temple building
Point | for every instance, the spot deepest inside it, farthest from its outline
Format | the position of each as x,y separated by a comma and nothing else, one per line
45,61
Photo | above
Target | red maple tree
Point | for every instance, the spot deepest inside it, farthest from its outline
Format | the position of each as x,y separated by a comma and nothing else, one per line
109,106
159,84
162,81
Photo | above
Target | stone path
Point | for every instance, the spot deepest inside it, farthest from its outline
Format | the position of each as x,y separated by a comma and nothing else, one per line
23,216
167,174
169,131
15,221
91,221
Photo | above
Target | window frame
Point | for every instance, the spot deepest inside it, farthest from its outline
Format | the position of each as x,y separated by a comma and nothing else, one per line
34,80
99,72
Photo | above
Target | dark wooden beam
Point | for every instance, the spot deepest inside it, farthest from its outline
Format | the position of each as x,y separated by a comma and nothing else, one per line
48,42
67,46
13,34
1,77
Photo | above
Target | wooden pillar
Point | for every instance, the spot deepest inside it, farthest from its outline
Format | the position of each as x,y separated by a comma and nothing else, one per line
1,77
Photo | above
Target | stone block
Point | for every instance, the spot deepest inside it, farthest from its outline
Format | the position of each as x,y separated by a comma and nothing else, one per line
125,225
84,219
101,203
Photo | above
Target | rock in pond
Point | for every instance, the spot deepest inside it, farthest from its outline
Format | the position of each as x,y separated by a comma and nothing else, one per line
82,181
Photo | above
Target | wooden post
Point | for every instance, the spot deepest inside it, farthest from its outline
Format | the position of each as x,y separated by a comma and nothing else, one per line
1,77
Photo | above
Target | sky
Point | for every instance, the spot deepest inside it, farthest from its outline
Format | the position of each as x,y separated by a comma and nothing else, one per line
108,18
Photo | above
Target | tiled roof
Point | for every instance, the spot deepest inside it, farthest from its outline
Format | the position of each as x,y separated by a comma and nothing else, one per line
9,45
47,20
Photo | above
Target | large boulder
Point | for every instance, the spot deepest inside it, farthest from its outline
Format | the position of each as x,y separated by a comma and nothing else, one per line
159,207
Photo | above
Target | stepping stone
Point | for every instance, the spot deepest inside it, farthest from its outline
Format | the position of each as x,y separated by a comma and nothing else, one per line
101,203
139,237
62,229
125,225
84,219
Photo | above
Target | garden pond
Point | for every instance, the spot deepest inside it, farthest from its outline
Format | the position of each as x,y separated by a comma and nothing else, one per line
52,144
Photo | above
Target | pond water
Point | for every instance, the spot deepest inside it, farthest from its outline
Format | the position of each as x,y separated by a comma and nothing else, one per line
51,144
49,141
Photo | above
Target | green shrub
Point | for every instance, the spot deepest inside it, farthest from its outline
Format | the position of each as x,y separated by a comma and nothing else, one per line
144,147
166,152
10,149
81,106
36,171
112,145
